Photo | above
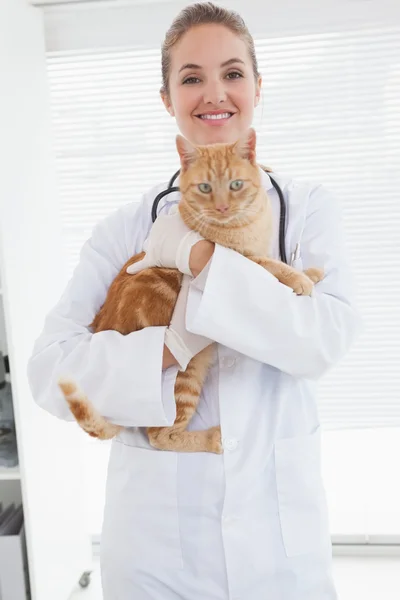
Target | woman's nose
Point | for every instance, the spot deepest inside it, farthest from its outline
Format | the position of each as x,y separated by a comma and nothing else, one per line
215,93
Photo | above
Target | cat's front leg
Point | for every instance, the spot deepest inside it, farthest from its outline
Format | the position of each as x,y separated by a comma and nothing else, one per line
301,283
315,274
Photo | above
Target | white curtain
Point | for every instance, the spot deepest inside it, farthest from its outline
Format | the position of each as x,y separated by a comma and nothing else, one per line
330,114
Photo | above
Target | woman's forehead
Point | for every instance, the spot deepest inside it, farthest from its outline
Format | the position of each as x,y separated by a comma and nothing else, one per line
206,45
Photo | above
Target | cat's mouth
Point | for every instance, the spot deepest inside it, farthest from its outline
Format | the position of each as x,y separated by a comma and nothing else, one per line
222,219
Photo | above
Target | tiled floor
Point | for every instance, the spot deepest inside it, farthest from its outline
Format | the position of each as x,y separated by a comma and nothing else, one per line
357,578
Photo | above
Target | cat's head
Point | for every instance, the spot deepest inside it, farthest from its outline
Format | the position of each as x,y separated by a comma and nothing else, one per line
220,184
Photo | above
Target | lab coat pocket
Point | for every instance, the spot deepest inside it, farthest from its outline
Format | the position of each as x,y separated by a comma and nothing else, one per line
302,502
141,513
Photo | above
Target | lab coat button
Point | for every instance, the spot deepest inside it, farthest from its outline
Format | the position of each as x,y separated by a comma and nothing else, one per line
228,361
230,444
228,520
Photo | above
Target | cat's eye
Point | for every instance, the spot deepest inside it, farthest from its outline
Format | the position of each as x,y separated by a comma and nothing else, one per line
236,185
205,188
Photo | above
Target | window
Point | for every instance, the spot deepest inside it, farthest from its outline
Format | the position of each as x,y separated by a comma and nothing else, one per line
329,114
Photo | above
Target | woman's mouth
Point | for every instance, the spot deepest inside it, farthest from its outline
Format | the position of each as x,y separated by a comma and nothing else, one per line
215,119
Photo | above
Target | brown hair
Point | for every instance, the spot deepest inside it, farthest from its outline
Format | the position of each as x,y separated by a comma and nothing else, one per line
203,13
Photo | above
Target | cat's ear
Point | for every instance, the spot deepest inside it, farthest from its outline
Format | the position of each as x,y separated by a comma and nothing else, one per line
186,151
246,146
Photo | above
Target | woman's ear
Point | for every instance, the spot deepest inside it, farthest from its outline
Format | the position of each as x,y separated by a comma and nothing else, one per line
258,91
167,102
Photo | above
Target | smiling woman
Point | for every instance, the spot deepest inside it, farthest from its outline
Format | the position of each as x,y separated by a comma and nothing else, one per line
251,523
212,100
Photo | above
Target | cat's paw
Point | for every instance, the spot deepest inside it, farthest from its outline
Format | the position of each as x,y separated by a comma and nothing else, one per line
315,274
214,440
300,284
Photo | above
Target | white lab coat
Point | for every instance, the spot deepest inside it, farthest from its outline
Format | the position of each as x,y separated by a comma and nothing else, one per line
252,523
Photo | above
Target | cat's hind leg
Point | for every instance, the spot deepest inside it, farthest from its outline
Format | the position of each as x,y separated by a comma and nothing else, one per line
188,387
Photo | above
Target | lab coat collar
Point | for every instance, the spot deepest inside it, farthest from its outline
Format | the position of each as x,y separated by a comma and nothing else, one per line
265,180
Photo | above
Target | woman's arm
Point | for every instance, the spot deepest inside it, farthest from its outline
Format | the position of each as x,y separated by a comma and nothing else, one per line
168,359
121,375
200,256
245,308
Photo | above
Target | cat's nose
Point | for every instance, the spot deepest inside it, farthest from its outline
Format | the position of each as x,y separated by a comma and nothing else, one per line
222,208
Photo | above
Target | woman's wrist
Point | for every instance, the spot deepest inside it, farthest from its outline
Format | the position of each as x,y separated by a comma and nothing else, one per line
200,255
168,359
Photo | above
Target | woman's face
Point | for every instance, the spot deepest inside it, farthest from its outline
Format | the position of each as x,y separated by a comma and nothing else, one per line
213,91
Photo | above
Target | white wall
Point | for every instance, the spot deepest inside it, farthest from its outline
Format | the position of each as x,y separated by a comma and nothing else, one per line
91,24
32,279
3,338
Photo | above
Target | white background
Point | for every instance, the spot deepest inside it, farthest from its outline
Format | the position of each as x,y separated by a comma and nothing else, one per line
330,113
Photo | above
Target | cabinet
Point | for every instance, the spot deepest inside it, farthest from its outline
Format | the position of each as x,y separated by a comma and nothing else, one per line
48,480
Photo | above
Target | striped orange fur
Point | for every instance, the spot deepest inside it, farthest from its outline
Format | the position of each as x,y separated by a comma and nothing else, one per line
148,298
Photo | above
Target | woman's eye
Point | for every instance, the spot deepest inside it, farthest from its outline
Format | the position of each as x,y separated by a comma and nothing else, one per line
234,75
205,188
236,185
191,80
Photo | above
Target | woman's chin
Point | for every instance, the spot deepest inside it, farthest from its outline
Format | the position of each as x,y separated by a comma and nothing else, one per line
204,135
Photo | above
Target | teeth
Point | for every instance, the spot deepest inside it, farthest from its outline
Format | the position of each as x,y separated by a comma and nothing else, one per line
214,117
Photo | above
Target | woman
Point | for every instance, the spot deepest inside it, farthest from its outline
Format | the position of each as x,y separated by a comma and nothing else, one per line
251,523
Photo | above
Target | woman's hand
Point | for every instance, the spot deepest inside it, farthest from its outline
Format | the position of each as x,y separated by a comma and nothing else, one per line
168,245
181,343
168,359
200,255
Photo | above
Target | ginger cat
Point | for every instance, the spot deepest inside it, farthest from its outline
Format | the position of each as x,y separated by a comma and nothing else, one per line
223,199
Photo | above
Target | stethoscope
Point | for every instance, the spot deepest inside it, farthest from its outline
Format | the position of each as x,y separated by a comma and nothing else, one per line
282,217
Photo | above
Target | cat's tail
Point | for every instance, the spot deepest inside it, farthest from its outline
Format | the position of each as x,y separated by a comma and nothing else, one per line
84,412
